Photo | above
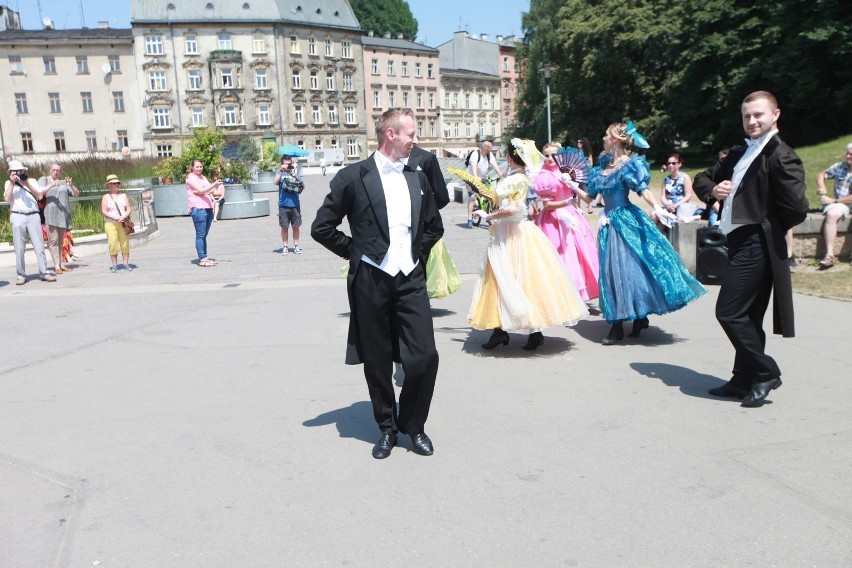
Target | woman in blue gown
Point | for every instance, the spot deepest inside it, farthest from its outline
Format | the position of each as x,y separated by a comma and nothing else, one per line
640,273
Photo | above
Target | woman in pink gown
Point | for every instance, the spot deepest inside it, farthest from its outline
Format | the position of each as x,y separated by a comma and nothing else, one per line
566,227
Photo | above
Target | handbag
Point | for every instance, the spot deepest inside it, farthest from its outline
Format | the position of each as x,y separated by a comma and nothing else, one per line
127,224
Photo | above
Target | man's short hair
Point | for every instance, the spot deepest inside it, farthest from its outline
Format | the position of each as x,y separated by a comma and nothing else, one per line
286,158
484,142
762,95
391,119
849,147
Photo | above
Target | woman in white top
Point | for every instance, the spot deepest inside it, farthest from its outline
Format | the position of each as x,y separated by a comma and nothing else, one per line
115,207
23,195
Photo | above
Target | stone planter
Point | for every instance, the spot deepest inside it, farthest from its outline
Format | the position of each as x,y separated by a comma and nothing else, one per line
241,204
264,183
170,200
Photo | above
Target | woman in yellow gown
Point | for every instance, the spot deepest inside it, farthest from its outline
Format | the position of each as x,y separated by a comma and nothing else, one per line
522,286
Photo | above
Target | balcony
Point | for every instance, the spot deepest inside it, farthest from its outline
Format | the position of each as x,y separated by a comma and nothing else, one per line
226,55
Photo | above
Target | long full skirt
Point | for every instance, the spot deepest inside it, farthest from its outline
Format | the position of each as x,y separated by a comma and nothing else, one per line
523,286
576,245
442,277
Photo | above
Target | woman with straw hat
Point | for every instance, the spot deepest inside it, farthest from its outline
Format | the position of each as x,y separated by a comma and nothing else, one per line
23,195
115,208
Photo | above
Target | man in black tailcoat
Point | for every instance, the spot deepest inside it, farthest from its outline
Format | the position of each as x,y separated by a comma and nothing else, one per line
428,162
761,188
394,224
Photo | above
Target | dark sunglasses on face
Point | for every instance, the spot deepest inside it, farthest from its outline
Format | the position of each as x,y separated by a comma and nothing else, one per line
672,163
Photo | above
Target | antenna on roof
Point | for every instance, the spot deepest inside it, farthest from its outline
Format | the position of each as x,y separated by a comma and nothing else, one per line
82,16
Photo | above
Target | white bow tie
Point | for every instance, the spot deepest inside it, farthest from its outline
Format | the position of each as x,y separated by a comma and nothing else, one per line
751,141
390,167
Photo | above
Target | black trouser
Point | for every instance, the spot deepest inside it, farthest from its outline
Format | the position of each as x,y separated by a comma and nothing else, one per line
742,303
393,316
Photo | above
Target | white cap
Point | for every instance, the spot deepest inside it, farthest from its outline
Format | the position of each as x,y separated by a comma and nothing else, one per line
16,165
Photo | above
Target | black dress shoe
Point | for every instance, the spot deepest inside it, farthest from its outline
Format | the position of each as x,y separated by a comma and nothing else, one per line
499,337
729,391
616,333
638,326
759,391
421,444
383,447
533,341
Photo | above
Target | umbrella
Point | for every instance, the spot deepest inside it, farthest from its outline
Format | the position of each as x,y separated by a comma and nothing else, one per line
291,150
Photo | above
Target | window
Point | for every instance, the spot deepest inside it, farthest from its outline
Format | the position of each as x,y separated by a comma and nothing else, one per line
164,150
374,66
446,100
300,116
316,114
456,128
16,65
27,141
347,81
197,116
191,44
317,144
153,45
114,63
59,140
86,97
157,80
118,101
506,92
328,48
314,80
455,100
405,99
430,72
260,81
467,129
352,147
391,99
263,114
493,129
334,143
194,83
481,100
346,49
349,114
467,100
417,69
258,45
82,65
403,68
420,129
312,46
431,100
162,117
294,44
21,103
377,99
300,144
49,65
431,128
505,64
329,81
493,101
230,114
419,98
227,77
297,80
225,41
55,105
91,141
332,114
122,139
390,67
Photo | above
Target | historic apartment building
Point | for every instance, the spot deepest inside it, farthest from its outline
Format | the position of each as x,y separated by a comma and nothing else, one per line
510,78
69,91
248,68
402,73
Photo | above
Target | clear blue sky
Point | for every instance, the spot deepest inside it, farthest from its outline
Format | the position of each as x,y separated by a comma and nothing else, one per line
437,19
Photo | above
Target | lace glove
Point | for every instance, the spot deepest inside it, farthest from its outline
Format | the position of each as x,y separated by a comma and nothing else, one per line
482,214
666,218
566,179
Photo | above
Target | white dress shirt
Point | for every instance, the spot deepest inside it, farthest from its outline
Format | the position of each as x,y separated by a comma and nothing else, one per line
752,152
398,202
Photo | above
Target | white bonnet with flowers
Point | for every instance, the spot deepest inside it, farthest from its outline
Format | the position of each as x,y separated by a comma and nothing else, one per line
529,154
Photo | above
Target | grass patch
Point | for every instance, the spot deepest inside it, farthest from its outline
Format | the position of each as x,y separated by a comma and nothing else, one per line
836,282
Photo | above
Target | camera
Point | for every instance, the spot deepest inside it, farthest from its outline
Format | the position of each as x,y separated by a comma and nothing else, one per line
23,176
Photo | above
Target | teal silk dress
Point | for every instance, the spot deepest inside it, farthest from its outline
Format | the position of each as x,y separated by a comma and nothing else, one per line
641,273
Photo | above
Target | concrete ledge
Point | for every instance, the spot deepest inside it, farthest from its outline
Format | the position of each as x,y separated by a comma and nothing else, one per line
808,241
170,200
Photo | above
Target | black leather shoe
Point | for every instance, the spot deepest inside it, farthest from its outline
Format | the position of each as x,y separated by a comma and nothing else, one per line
499,337
383,447
638,326
421,444
616,333
729,391
533,341
759,391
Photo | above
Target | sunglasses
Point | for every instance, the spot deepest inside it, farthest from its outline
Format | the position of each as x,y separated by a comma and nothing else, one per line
672,163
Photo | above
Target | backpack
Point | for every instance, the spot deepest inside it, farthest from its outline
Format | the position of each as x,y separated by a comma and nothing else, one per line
467,160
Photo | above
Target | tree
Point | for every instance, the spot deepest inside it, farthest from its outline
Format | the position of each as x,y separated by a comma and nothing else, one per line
385,16
248,151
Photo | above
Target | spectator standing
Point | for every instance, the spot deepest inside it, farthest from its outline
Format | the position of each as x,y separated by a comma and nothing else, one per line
22,196
837,207
198,193
322,165
290,185
57,212
478,164
115,207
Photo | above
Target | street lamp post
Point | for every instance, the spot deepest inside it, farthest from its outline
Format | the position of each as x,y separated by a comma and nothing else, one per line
438,117
547,70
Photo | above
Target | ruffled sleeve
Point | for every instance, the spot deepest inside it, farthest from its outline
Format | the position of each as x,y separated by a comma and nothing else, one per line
513,188
546,185
596,182
636,174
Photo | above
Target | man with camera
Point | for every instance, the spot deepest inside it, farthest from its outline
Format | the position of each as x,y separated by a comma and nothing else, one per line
57,212
289,209
23,197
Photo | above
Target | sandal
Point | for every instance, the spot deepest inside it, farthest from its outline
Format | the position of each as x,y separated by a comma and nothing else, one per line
827,262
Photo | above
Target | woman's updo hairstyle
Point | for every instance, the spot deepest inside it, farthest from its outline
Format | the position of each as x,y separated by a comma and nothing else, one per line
512,151
618,130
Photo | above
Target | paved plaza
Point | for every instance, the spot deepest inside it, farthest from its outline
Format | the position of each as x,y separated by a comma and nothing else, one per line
186,417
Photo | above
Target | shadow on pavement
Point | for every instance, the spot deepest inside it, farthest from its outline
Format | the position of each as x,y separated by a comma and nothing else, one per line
596,330
688,381
354,421
552,347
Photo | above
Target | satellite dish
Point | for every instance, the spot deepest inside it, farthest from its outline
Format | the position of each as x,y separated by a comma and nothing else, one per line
47,23
106,68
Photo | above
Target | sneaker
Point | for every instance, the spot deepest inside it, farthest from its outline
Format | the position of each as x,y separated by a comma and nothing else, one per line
297,250
48,277
285,251
20,281
469,223
827,262
793,262
129,267
113,269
